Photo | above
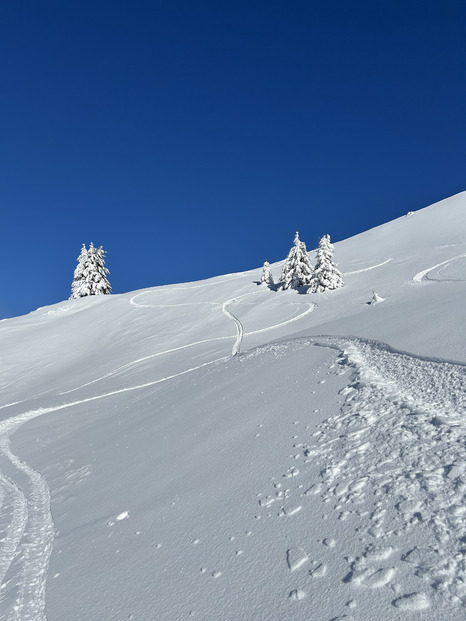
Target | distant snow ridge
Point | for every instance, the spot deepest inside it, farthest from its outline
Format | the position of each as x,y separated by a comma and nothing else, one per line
394,461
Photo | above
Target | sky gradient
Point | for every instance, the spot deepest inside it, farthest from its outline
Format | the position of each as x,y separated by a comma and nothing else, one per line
192,139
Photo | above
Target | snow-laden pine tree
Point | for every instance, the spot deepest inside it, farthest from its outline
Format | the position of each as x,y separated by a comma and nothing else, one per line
78,278
90,275
326,273
297,271
267,278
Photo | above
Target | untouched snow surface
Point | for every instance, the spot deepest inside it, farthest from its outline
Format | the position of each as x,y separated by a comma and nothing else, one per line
216,450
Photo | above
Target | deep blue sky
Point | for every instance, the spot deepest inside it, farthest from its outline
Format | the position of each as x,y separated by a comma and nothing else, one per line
192,138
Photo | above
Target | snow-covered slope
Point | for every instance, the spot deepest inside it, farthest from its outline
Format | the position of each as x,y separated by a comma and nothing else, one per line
220,451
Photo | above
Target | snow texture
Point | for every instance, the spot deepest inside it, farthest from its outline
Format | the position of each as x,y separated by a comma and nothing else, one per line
234,453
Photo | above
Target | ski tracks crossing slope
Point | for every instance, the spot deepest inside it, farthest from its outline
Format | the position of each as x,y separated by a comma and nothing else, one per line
391,463
25,511
423,275
225,310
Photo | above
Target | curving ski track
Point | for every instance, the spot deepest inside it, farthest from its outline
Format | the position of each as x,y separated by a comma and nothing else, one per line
423,275
368,269
240,334
238,324
27,544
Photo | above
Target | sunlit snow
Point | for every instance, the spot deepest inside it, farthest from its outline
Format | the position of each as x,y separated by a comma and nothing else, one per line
218,450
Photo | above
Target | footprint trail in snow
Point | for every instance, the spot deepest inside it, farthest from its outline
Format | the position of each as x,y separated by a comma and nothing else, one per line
390,473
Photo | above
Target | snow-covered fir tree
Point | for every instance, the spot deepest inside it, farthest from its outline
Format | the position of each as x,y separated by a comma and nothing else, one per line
297,271
78,277
326,273
267,278
90,275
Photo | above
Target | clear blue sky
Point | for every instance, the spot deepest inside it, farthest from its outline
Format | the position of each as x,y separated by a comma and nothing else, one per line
192,138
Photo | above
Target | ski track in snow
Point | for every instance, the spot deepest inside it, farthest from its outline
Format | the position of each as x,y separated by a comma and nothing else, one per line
423,275
391,465
240,334
28,535
367,269
238,324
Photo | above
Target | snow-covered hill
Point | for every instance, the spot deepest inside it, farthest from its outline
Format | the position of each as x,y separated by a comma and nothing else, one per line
217,450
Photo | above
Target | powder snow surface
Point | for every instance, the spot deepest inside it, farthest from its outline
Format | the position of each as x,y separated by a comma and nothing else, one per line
216,450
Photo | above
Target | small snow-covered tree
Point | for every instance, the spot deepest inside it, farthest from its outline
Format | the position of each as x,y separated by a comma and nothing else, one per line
101,285
90,275
326,273
266,278
297,271
78,279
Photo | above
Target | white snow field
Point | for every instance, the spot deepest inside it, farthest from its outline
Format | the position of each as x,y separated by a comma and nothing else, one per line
219,451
